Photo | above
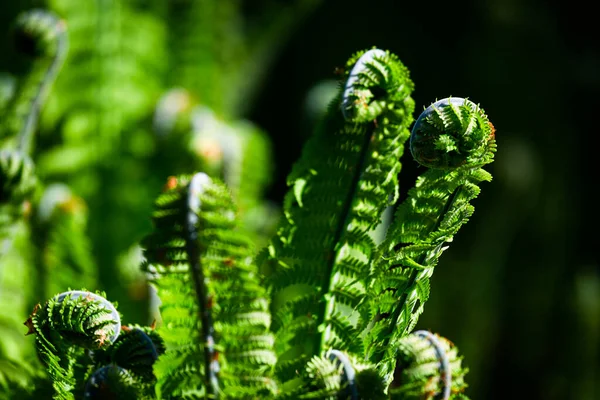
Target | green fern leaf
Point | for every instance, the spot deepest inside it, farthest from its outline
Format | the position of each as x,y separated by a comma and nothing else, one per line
338,192
426,222
215,314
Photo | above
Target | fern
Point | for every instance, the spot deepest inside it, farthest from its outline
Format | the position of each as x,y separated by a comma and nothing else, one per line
220,55
64,326
426,221
216,315
339,189
344,293
237,152
41,35
429,366
119,66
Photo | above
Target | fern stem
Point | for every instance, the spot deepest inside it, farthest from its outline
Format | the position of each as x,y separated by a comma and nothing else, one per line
200,286
414,274
26,132
330,281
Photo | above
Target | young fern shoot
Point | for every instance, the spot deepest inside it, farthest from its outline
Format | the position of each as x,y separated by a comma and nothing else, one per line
216,314
454,138
42,35
318,263
64,326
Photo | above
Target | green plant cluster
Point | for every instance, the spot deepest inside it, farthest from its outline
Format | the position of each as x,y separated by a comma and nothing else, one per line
316,301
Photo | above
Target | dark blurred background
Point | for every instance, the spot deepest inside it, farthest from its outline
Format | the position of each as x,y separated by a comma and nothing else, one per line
519,290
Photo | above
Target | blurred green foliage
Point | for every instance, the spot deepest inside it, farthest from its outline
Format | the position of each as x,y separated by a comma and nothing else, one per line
518,292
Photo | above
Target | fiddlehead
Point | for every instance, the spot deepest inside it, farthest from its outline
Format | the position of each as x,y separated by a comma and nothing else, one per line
39,34
335,375
111,382
426,221
449,133
67,324
239,153
338,192
428,368
124,370
136,350
215,315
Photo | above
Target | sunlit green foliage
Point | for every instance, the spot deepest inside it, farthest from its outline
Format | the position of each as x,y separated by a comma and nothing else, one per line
325,310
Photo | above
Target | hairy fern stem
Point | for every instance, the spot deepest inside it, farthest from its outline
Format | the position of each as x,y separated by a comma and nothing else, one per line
200,286
414,275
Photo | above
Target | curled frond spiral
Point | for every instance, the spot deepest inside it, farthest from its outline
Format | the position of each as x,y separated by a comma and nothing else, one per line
317,266
40,33
449,133
69,322
373,85
136,350
425,223
428,368
111,382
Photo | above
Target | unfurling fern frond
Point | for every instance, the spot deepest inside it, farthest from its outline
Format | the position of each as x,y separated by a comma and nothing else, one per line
111,382
124,370
235,151
318,264
66,325
215,314
42,35
455,139
428,368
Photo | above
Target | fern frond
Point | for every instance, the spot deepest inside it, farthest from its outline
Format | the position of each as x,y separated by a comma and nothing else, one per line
428,368
130,359
17,182
42,35
239,153
112,382
338,192
215,314
425,222
67,324
117,54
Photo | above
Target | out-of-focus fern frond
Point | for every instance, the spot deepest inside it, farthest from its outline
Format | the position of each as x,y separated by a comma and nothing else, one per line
222,50
42,36
64,257
428,368
117,53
